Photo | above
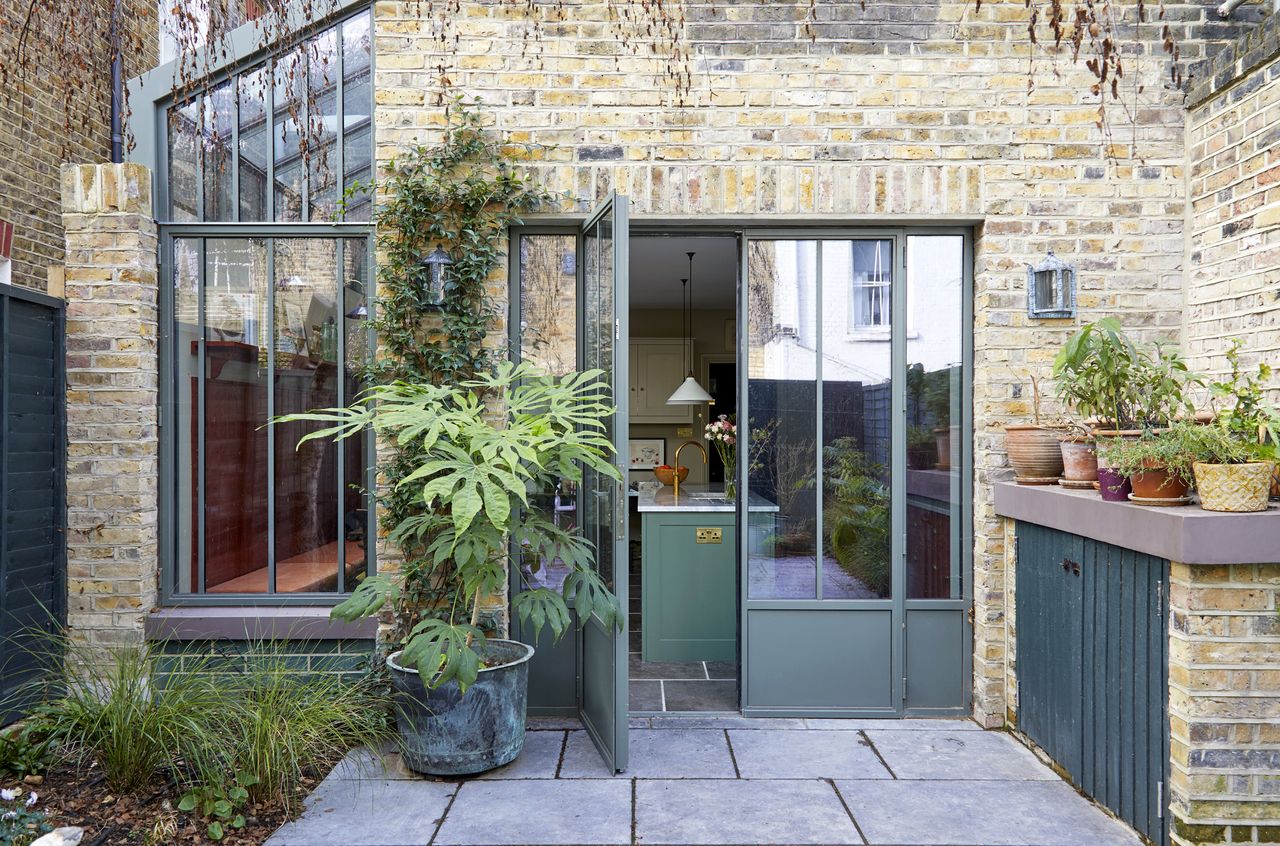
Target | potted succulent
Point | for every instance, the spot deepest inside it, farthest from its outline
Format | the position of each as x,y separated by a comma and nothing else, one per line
479,445
1157,464
1033,448
1236,470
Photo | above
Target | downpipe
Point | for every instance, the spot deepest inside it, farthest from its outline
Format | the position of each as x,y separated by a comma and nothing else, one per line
117,86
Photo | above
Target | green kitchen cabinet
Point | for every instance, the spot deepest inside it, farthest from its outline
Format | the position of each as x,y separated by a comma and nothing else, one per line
689,609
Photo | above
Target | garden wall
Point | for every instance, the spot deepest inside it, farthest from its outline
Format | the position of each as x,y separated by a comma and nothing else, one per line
881,116
1233,229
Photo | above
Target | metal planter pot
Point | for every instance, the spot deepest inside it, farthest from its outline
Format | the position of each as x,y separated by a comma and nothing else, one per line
445,732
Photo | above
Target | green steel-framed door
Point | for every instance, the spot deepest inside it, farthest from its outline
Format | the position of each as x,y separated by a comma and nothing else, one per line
854,533
602,660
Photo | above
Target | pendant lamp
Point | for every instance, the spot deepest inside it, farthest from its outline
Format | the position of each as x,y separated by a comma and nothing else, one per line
689,392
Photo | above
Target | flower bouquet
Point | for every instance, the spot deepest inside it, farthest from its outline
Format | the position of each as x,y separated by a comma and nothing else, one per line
723,433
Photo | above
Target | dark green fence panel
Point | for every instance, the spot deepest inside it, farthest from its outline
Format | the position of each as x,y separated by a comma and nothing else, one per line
1093,669
32,475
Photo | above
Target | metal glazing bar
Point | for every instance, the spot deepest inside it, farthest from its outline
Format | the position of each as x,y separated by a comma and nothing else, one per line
340,318
199,411
234,84
269,107
820,494
271,413
340,107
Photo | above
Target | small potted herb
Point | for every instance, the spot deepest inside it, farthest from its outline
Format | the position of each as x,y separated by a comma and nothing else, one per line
1157,464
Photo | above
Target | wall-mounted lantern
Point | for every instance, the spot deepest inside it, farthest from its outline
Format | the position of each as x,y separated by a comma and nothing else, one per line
1051,289
437,263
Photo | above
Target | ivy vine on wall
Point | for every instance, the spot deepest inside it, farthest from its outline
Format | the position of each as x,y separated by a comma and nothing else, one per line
461,194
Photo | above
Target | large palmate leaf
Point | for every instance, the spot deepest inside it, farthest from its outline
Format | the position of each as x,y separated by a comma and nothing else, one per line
442,652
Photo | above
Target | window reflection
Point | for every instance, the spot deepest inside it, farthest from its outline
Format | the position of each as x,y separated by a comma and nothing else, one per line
935,284
782,401
219,117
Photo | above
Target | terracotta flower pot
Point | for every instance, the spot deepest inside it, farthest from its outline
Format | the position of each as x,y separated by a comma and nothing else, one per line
942,440
1034,453
1079,459
1112,486
1234,487
1157,483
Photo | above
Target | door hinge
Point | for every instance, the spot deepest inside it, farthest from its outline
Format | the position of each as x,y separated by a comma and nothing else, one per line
1160,591
904,688
1160,800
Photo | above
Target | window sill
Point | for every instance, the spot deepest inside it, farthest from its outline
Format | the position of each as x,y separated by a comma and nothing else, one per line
254,623
885,334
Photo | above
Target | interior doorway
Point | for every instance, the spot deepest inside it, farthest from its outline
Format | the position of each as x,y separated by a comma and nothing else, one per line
683,620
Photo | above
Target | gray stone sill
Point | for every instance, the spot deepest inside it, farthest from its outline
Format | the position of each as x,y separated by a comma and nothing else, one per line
252,623
1186,534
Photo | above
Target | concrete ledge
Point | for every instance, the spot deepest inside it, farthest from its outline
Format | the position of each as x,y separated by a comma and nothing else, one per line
247,623
1187,534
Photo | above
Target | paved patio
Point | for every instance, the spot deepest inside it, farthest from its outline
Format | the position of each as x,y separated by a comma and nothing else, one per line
721,780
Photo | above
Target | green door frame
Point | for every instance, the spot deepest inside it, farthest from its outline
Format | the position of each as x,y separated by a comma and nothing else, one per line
829,615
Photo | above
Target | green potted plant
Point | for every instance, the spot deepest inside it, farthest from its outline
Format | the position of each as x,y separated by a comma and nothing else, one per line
1079,457
1236,470
1157,464
920,448
1033,448
937,395
480,444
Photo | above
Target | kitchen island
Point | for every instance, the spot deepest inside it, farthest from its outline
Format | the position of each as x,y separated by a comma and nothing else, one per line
689,573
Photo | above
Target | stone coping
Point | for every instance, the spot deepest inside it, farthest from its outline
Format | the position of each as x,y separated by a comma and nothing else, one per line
1187,534
254,623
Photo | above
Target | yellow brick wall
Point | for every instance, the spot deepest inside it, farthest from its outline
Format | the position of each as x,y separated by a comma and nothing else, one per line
901,111
1233,237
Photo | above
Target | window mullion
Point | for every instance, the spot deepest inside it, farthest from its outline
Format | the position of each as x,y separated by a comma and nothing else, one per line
819,493
271,413
340,130
269,103
234,83
341,446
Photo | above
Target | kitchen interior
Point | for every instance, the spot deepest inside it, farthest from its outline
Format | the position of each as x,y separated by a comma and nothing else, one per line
683,623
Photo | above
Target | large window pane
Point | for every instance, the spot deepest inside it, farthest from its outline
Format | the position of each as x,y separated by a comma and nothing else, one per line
235,408
782,362
856,420
935,350
307,547
322,75
286,135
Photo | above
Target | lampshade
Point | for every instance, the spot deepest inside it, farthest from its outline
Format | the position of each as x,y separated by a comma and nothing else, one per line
689,393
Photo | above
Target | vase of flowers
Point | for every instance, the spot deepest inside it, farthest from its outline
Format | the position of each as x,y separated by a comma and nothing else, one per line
723,433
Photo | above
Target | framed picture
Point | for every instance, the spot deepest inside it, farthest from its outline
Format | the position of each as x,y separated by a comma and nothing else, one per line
648,453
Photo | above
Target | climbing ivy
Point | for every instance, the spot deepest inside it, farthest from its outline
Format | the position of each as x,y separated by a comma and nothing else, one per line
462,194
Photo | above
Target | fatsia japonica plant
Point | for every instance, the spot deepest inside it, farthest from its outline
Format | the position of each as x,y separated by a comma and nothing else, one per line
483,444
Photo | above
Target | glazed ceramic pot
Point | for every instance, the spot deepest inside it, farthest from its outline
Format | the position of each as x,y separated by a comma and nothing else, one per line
1234,487
446,732
1034,453
1112,486
1079,459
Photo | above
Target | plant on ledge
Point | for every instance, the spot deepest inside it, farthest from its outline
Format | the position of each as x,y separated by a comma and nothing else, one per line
475,468
1159,464
1236,468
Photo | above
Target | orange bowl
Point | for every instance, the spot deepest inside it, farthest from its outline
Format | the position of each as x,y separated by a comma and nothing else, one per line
667,475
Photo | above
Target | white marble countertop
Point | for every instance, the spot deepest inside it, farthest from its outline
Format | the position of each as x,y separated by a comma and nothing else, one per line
695,498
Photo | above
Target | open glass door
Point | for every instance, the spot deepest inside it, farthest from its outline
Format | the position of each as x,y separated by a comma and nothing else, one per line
602,677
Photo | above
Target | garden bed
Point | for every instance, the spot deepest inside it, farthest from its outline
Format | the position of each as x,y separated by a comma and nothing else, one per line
80,797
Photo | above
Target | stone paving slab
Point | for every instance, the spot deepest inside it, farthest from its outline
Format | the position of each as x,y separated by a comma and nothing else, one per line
909,724
957,755
992,813
814,753
655,753
539,759
757,812
344,812
539,811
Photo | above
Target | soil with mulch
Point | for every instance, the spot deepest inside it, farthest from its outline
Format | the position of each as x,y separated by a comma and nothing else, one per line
80,797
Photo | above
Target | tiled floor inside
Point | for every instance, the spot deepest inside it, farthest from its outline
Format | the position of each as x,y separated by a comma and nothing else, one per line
720,780
696,686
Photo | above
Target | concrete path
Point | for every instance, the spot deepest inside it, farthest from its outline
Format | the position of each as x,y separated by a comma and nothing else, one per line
721,780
